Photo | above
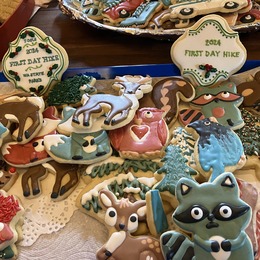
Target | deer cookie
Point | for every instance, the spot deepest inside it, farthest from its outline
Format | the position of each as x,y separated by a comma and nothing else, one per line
116,110
217,223
66,179
145,137
24,111
8,175
124,216
32,152
217,149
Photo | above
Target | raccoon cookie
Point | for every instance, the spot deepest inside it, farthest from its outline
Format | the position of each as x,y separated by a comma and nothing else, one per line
217,223
34,61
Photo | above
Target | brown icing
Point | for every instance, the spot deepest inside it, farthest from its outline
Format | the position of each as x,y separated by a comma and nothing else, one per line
8,175
250,90
38,172
126,246
22,110
167,93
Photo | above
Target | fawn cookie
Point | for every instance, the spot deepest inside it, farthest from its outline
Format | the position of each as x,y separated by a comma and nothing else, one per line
124,216
8,175
145,137
34,61
217,223
208,52
217,149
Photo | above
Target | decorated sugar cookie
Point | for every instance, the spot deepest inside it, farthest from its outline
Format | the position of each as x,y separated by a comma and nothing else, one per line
144,137
124,216
34,61
118,110
24,112
208,52
220,101
11,217
217,222
217,149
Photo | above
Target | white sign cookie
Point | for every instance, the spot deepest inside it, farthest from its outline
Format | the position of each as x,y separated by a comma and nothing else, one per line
34,61
209,52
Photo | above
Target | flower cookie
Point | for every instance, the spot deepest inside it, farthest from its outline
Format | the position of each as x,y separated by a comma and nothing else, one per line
217,149
217,222
11,218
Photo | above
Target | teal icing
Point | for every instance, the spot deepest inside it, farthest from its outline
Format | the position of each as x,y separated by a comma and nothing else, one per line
159,216
219,153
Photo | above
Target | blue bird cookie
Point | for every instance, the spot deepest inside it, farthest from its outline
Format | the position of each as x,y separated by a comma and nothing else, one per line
217,149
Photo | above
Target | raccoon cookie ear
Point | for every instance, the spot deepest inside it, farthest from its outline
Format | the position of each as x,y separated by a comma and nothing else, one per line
185,189
228,181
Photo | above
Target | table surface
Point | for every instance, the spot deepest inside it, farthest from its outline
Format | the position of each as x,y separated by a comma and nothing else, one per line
91,47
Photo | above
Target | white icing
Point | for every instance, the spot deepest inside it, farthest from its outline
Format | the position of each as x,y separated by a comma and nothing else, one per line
105,200
94,192
221,255
147,181
52,140
211,45
115,241
131,190
141,211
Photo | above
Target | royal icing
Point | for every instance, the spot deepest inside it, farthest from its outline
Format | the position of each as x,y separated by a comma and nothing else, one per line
209,51
217,223
34,61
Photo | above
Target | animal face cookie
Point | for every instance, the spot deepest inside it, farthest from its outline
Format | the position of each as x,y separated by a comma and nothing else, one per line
144,137
209,51
124,215
217,223
34,61
221,102
217,149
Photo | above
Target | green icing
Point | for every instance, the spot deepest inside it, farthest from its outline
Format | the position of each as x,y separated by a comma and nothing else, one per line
7,253
68,92
118,190
250,133
134,165
175,167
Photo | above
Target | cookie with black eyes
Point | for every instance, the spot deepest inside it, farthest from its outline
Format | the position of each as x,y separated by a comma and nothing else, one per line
215,216
33,152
